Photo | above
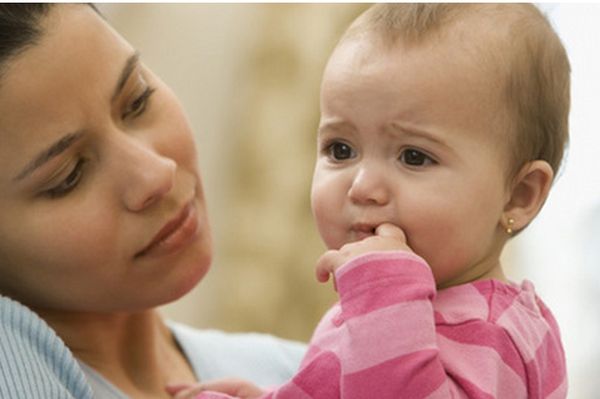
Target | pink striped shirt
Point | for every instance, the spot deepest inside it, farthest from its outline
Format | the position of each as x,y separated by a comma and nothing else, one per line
393,336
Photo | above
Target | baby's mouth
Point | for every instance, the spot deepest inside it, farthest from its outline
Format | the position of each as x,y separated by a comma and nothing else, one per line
360,231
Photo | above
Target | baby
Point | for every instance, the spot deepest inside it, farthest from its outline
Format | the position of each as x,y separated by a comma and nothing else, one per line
442,128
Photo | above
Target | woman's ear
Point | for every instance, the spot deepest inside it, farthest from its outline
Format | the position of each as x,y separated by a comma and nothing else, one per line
529,191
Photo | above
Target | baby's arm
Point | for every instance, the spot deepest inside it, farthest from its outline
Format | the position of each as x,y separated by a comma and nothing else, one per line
320,375
387,238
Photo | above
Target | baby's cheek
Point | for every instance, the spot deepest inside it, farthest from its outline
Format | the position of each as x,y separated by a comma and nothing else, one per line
326,224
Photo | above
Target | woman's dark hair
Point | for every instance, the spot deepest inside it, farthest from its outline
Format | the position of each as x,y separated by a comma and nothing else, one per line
20,28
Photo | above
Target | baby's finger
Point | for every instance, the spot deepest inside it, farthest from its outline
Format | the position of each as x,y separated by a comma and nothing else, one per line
188,393
322,275
172,389
390,230
325,266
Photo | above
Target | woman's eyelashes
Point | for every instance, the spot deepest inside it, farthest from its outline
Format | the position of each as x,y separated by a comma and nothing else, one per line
69,182
139,104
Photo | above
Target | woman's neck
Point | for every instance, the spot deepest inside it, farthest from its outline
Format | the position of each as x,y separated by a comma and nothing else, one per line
135,351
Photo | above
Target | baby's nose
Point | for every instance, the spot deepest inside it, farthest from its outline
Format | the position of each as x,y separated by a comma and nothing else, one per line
369,187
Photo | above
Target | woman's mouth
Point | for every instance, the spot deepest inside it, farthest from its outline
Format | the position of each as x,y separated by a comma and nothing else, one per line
175,234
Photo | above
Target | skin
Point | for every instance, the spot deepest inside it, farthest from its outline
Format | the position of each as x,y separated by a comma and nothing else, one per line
73,227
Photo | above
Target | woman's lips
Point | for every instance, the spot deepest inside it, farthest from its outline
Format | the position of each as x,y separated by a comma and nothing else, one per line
175,234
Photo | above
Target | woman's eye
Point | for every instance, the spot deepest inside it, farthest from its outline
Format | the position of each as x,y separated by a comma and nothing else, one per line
69,183
340,151
414,157
138,106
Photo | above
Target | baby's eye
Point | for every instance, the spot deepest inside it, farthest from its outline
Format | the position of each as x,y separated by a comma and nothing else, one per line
340,151
412,157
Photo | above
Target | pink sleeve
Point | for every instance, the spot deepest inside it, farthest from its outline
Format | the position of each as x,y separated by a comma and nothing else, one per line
381,342
389,338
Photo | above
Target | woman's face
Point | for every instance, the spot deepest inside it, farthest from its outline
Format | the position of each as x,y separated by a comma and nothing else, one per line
101,204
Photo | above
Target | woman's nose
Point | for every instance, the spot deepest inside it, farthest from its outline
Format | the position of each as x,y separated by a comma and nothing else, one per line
148,177
369,187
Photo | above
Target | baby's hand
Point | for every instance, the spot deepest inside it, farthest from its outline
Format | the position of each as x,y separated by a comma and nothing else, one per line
388,237
232,387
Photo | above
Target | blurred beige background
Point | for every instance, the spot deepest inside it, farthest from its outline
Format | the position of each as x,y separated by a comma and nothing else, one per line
248,76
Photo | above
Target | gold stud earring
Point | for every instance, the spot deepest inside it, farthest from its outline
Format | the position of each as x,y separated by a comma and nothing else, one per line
510,222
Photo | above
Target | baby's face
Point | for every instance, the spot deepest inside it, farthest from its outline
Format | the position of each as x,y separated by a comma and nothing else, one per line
412,136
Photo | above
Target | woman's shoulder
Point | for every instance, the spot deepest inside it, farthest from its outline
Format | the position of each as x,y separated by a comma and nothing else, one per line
262,358
34,361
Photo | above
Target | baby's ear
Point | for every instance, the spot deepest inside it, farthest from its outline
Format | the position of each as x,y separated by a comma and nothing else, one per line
529,191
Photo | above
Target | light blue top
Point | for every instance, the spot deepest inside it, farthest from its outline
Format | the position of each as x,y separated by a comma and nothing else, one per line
35,363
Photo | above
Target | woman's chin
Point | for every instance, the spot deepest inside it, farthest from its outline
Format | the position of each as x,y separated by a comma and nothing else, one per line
189,280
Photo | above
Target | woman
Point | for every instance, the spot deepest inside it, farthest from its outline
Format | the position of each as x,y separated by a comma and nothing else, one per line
102,219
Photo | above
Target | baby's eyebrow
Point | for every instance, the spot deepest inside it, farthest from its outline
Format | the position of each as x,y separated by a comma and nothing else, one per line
335,125
397,128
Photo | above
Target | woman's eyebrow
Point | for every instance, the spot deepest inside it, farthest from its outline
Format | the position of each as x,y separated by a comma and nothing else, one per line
51,152
130,65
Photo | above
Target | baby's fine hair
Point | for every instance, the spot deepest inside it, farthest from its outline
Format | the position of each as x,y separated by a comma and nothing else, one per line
528,53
